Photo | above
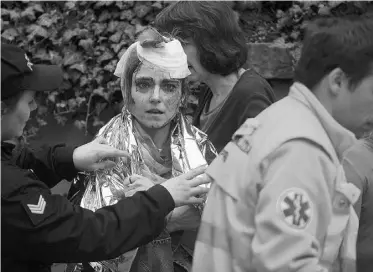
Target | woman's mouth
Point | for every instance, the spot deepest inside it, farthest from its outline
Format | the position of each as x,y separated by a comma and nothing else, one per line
154,111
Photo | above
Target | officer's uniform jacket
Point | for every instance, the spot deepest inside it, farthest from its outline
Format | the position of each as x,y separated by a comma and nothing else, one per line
280,201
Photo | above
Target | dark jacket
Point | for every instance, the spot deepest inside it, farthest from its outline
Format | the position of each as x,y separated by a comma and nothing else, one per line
38,228
250,96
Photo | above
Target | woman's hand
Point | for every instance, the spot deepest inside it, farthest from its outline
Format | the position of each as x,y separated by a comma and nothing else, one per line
138,183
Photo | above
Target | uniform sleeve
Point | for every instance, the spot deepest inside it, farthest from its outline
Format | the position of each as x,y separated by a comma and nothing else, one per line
293,209
51,164
357,164
38,226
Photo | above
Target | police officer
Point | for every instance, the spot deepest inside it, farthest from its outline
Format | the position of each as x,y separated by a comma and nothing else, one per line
39,228
280,200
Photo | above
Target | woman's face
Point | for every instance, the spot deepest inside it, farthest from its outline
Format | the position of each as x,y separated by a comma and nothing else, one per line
156,97
13,120
198,73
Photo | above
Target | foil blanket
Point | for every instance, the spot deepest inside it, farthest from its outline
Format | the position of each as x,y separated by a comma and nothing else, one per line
190,148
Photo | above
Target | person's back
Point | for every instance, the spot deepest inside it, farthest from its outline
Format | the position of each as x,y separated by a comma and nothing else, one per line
302,146
358,166
280,200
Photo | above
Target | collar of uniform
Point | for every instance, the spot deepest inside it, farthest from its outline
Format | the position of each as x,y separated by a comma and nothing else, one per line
6,150
341,138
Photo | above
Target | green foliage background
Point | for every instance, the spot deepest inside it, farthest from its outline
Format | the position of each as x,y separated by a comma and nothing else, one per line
87,39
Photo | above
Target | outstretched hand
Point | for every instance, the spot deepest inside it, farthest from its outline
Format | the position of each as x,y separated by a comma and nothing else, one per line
185,188
96,155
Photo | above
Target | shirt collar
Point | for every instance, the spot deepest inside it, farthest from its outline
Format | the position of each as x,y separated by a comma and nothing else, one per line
341,138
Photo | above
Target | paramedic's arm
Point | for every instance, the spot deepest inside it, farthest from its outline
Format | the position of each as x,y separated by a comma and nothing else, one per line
356,164
281,242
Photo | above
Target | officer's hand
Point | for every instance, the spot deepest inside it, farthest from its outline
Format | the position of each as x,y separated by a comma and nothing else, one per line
96,155
185,188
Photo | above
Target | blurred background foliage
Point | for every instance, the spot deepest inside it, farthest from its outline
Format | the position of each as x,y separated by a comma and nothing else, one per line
88,38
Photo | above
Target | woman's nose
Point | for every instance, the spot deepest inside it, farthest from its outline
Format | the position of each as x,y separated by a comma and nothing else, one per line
155,95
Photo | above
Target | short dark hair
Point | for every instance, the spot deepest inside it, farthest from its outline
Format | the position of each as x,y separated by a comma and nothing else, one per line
329,43
213,27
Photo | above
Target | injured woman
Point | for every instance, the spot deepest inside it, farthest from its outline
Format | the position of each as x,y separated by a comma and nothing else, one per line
162,144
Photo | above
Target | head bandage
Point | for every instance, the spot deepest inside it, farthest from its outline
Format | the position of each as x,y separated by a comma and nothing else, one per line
168,57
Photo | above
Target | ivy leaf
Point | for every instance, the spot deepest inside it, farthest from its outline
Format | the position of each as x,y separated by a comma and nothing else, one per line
10,34
87,44
84,81
99,107
28,13
72,103
70,4
41,122
97,122
61,120
130,31
117,47
37,7
112,26
157,5
14,15
105,56
4,12
46,20
99,28
111,66
104,16
52,96
41,54
115,38
69,34
127,15
36,30
42,109
80,124
72,58
81,67
142,10
80,100
99,91
55,58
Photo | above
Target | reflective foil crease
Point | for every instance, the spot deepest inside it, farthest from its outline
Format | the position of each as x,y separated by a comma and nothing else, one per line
190,148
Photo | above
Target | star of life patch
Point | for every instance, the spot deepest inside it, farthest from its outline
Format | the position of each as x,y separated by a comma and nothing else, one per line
295,207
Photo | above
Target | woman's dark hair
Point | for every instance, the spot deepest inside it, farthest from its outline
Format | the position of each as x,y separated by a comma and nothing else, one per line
213,27
330,43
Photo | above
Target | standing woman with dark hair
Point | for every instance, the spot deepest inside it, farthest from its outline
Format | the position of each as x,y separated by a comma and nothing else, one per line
216,49
358,166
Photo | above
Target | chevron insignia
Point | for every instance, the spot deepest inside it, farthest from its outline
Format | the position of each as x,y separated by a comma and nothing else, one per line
38,208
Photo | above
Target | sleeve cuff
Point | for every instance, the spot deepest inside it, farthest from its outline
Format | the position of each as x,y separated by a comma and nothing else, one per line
164,198
63,156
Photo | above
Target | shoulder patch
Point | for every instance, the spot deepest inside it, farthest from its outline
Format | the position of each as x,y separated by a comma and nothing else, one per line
242,136
36,207
295,207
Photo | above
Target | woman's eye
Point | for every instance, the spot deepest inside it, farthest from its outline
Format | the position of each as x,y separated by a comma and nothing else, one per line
143,85
170,87
32,102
